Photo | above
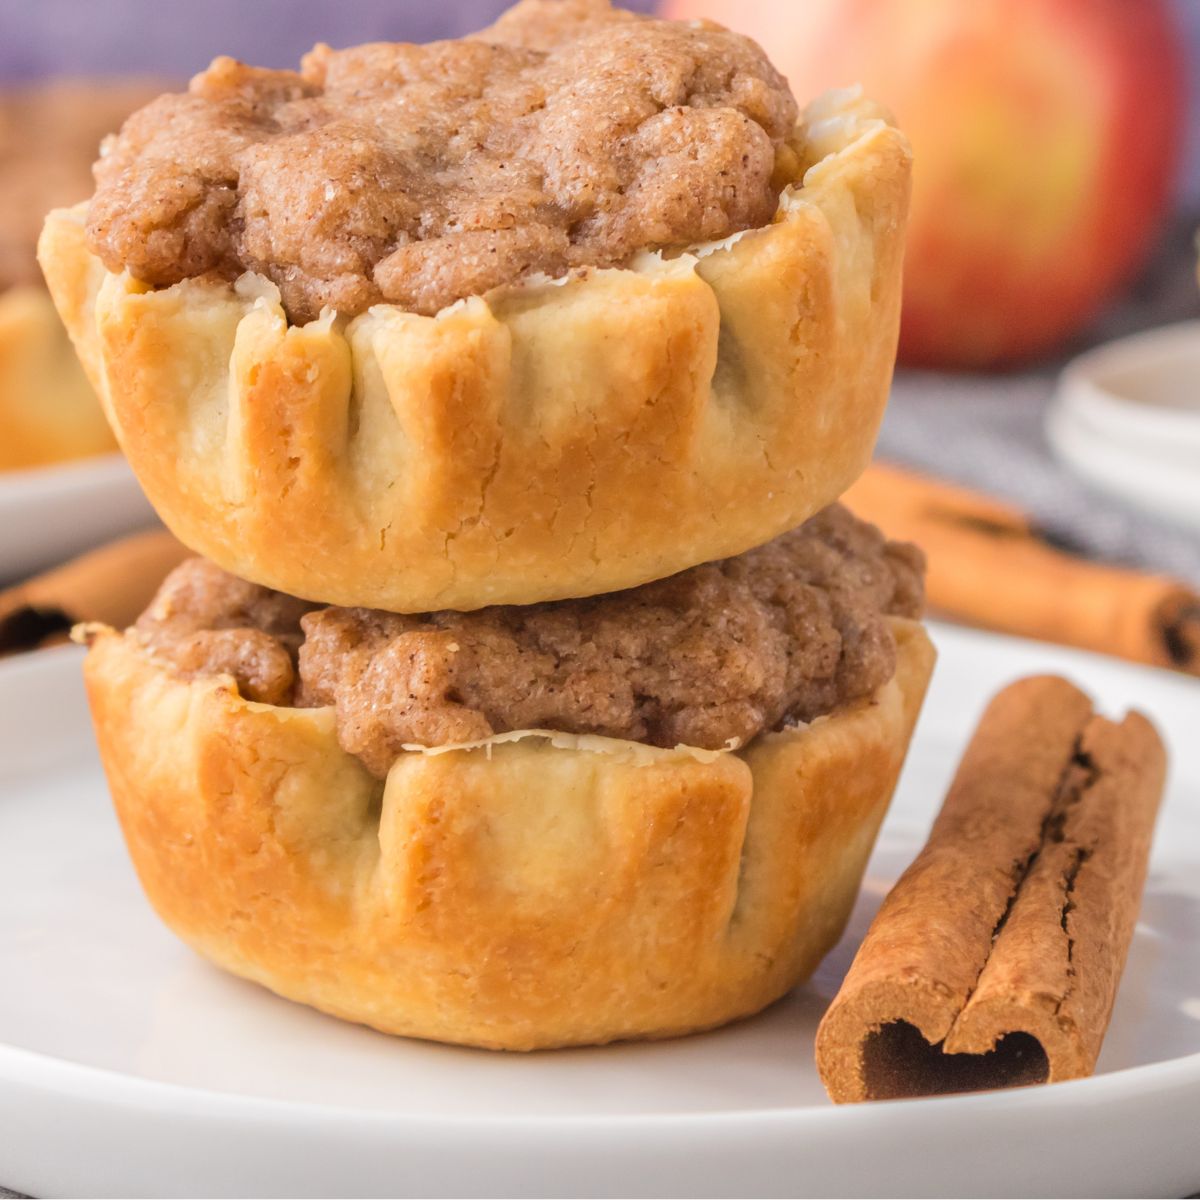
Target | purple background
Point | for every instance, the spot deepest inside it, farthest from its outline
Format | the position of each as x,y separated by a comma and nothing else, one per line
39,37
46,37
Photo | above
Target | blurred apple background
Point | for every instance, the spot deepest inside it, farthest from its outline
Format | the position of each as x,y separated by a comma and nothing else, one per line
1054,138
1056,199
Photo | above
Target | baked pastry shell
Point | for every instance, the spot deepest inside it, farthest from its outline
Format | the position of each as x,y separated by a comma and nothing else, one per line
551,439
48,410
535,890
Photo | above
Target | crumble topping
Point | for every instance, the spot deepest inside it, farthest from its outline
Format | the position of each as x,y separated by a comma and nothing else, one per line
786,632
568,134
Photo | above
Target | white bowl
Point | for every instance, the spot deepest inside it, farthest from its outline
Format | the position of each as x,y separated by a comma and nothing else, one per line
1126,417
51,513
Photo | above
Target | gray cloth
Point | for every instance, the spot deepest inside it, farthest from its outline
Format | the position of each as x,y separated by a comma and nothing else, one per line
986,431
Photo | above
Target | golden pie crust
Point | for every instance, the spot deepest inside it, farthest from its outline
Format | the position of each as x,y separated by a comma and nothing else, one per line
48,411
550,439
534,890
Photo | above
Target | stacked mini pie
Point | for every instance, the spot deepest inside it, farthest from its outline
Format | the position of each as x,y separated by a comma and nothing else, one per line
532,690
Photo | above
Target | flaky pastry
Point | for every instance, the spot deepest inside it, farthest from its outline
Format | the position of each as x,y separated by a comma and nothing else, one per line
533,890
553,438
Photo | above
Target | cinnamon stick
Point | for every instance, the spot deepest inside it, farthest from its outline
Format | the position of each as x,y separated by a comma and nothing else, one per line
995,959
112,585
989,567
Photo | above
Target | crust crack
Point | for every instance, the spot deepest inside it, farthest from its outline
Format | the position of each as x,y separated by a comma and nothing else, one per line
1079,775
1079,856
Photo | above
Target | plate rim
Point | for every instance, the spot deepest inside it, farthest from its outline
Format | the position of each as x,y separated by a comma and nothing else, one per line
90,469
132,1090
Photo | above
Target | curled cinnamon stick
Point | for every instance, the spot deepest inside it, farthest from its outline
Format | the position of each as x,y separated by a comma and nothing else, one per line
112,585
995,959
988,566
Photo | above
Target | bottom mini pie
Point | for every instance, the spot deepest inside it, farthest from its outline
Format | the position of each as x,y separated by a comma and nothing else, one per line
532,890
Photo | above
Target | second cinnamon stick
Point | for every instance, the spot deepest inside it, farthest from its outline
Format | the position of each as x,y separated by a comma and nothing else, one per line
111,584
989,567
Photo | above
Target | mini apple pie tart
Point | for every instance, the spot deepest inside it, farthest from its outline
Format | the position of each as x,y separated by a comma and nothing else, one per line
572,304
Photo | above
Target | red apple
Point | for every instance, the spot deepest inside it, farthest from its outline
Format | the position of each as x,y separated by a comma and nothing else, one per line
1045,135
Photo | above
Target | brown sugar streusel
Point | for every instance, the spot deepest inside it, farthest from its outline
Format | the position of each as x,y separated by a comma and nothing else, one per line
786,632
568,134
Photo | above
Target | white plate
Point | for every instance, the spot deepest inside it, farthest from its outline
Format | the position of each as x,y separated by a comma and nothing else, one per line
51,513
130,1067
1126,416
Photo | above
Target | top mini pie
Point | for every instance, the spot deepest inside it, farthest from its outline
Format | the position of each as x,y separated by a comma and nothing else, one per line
569,305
